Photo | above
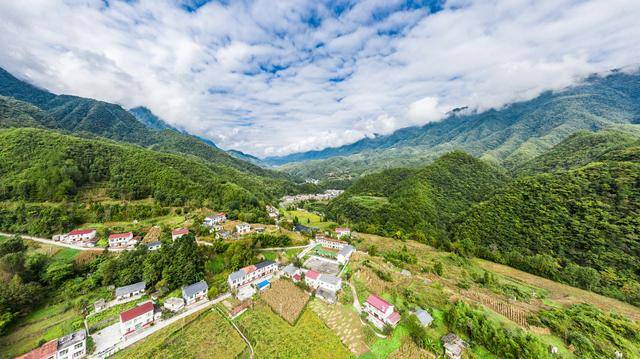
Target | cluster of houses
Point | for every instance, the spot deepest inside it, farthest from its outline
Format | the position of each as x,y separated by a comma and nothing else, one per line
80,237
247,280
327,195
71,346
344,249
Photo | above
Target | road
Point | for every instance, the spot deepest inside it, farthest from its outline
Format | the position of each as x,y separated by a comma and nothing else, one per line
108,340
59,244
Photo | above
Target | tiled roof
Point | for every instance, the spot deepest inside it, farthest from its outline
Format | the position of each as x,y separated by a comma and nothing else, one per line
179,231
330,279
264,264
76,232
343,229
135,287
346,250
191,290
394,318
120,235
136,312
46,350
311,274
72,339
378,303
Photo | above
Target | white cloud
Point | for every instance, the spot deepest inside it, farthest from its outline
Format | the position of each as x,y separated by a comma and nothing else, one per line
277,77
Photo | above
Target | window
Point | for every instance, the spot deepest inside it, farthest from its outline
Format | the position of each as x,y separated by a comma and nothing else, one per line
63,352
79,345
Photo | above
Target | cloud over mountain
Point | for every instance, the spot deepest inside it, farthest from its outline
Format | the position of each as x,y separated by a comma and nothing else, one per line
274,77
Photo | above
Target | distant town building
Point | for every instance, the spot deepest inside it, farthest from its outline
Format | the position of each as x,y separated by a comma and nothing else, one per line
121,239
174,304
138,318
380,312
130,291
343,232
243,228
327,195
195,292
453,346
251,273
345,253
70,346
178,233
154,246
217,218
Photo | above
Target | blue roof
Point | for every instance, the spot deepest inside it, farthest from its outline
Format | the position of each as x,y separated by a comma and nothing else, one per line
263,284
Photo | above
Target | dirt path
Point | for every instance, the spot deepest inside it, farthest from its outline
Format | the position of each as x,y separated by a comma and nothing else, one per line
563,293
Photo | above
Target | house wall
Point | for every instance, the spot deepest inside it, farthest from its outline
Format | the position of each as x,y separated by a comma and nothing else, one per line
75,351
142,320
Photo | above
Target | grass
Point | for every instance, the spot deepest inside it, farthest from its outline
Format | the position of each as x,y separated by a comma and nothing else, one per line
309,219
272,337
202,335
382,348
110,316
66,255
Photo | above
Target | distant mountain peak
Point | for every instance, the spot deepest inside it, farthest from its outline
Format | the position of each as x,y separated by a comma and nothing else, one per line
147,117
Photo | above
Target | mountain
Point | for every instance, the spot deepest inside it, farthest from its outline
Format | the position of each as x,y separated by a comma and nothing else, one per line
418,202
84,116
148,118
247,157
42,165
508,136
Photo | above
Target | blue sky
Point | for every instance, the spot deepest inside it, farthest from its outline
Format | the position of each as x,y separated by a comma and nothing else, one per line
276,77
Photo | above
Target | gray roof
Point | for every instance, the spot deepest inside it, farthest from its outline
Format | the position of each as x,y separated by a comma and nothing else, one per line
71,339
328,278
264,264
154,243
239,274
290,269
347,250
191,290
424,317
128,289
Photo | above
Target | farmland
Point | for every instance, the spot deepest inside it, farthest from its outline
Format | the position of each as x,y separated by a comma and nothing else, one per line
286,299
345,322
272,337
198,336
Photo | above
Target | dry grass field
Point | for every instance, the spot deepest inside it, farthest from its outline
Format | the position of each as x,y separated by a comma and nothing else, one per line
286,299
345,322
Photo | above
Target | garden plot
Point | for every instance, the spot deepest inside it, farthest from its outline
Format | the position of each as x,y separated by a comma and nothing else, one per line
322,265
286,299
345,323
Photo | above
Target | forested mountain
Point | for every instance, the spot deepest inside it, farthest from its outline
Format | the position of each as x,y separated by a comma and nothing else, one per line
508,136
43,165
83,115
148,118
246,157
417,202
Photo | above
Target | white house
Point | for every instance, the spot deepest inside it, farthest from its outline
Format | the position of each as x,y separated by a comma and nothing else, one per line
154,246
138,318
311,278
217,218
243,228
330,242
290,271
273,212
72,346
130,291
121,239
343,232
174,304
345,253
380,312
453,346
195,292
251,273
86,237
178,233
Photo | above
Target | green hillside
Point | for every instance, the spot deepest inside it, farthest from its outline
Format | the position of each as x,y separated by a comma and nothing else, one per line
84,116
581,226
508,136
43,165
419,202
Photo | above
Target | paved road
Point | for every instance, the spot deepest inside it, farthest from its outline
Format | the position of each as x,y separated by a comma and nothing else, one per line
108,340
310,246
60,244
283,248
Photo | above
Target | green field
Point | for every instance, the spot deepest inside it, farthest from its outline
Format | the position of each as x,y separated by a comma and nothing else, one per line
272,337
202,335
309,219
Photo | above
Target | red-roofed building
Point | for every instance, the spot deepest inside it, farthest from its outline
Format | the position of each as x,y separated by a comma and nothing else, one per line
296,277
380,312
83,237
137,318
311,278
46,351
178,233
343,232
120,239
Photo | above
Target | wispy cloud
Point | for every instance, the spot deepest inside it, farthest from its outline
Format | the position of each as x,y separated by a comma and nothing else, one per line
274,77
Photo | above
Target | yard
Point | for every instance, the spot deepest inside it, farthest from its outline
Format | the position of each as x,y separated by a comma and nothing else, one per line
110,316
202,335
286,299
272,337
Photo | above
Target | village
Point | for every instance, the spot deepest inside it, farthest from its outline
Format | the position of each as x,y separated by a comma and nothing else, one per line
319,270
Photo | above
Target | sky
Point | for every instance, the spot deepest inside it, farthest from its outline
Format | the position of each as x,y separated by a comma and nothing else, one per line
276,77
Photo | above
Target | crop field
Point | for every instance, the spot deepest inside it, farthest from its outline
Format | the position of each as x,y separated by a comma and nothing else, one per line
345,322
202,335
309,219
286,299
273,337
